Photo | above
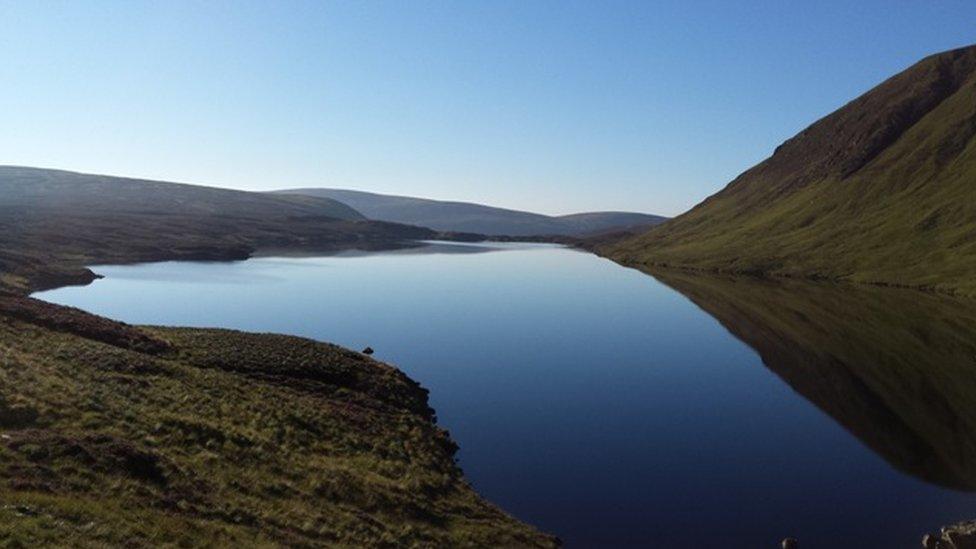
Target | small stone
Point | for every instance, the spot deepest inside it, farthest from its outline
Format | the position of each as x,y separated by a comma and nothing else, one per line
25,511
368,351
790,543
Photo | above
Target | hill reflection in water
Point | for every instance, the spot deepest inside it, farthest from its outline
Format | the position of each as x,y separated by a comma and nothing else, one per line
896,368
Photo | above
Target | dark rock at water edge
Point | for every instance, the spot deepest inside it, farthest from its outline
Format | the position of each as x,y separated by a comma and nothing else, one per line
961,535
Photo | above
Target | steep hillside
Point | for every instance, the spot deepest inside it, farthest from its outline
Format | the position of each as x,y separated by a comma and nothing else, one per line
881,191
476,218
113,435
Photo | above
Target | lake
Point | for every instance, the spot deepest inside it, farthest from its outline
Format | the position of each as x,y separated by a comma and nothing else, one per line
616,409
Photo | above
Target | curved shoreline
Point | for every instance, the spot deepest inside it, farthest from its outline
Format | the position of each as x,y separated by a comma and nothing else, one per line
26,324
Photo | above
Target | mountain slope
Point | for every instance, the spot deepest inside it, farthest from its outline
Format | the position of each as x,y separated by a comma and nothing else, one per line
476,218
881,191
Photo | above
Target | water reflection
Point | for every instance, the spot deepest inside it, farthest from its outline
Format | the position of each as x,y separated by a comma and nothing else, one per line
596,403
425,247
897,368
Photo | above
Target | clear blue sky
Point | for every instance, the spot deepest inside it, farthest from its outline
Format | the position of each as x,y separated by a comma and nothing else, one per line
550,106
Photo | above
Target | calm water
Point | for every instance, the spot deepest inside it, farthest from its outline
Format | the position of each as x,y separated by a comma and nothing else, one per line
608,408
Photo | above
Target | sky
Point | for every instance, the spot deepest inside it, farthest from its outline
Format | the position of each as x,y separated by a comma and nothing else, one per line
549,106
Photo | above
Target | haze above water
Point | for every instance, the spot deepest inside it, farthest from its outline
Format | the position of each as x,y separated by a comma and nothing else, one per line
608,408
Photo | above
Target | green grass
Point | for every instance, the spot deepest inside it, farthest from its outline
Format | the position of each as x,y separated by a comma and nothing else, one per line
160,436
881,191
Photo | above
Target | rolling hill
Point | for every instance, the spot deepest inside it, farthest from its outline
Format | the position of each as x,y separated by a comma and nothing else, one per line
53,223
36,188
881,191
477,218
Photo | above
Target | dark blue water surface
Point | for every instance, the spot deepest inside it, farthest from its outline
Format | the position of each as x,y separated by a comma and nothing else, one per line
588,399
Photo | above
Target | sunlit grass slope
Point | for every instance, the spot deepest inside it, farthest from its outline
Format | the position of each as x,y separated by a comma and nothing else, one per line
116,436
881,191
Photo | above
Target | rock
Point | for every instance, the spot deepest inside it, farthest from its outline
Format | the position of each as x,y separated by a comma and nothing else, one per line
961,539
368,351
25,511
790,543
961,535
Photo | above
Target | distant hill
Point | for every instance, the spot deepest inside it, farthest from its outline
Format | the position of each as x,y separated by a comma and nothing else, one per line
882,190
24,187
477,218
54,223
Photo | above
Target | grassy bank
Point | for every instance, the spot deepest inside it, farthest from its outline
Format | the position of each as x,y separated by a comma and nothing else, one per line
118,435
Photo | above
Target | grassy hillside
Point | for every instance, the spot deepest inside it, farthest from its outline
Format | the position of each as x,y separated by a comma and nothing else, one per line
476,218
881,191
112,435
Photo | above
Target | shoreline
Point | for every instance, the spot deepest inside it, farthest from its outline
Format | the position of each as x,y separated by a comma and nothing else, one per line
954,530
648,267
487,523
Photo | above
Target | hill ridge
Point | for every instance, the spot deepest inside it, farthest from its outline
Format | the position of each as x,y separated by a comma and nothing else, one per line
878,191
470,217
24,186
54,223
